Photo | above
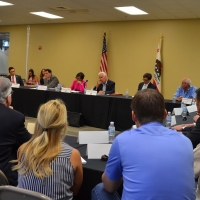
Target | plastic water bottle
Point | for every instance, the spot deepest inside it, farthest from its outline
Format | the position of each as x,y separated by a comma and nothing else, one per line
193,102
127,93
36,85
184,110
168,120
58,87
85,88
174,98
111,132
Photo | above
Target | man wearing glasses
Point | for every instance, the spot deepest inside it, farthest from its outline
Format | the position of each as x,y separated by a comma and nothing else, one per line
15,79
146,82
12,131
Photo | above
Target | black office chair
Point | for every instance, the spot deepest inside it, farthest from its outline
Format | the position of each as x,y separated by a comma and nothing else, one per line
12,193
3,179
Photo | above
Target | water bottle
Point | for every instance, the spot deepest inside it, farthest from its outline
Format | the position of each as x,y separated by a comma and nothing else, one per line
58,87
111,132
85,88
36,85
184,110
168,120
174,99
193,102
127,93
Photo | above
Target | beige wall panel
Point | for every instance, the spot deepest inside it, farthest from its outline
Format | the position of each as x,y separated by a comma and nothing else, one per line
70,48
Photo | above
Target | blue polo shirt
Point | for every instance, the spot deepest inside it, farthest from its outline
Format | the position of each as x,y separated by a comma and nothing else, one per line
190,93
156,163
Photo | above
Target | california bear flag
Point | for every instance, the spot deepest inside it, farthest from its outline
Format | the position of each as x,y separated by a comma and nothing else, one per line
158,67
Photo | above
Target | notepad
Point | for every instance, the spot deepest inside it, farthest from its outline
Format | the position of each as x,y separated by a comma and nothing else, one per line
83,161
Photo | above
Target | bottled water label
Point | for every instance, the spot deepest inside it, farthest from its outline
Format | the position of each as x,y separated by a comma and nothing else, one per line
168,120
168,124
111,133
184,111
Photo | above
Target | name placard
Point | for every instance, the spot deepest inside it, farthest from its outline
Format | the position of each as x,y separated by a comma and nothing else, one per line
90,137
173,122
192,108
42,87
186,101
67,90
15,85
177,111
95,151
91,92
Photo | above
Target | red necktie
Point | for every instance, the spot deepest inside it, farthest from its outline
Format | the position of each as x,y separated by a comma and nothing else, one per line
13,80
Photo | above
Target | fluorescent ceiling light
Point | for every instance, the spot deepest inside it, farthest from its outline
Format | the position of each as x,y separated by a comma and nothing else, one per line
47,15
3,3
131,10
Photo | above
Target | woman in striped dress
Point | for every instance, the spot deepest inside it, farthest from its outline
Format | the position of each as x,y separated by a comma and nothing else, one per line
45,163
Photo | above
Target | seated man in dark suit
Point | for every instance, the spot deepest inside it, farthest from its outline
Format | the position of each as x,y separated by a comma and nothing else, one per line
192,131
50,81
15,79
146,82
104,85
12,131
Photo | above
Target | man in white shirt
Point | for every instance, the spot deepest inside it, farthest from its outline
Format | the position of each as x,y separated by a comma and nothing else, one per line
146,82
15,79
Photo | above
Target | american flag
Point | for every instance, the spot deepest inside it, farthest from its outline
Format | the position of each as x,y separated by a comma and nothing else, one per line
104,64
158,67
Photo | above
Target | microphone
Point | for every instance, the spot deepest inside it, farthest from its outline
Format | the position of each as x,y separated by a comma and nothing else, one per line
85,82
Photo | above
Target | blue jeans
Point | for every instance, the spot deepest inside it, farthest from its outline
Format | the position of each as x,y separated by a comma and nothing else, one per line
99,193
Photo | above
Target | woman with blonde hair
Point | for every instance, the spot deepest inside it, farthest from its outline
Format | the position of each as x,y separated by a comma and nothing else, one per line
45,163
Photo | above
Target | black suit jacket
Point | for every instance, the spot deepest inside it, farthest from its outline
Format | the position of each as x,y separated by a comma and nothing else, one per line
18,79
12,135
193,133
110,87
151,86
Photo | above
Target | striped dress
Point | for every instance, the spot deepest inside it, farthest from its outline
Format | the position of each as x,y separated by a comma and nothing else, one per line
57,186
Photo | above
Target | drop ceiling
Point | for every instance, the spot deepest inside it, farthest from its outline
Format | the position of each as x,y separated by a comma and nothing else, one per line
96,10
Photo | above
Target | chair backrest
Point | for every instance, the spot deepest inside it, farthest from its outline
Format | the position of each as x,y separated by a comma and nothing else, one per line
31,127
3,179
15,193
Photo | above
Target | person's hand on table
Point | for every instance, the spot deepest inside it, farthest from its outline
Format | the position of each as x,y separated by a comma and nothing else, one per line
181,126
178,127
179,98
101,92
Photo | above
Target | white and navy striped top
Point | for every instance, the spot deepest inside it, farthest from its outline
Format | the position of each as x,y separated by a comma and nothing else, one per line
57,186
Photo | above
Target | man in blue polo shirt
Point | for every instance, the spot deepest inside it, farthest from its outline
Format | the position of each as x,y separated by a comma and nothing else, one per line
185,90
152,162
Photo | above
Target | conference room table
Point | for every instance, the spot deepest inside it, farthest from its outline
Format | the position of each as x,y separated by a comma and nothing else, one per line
97,111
